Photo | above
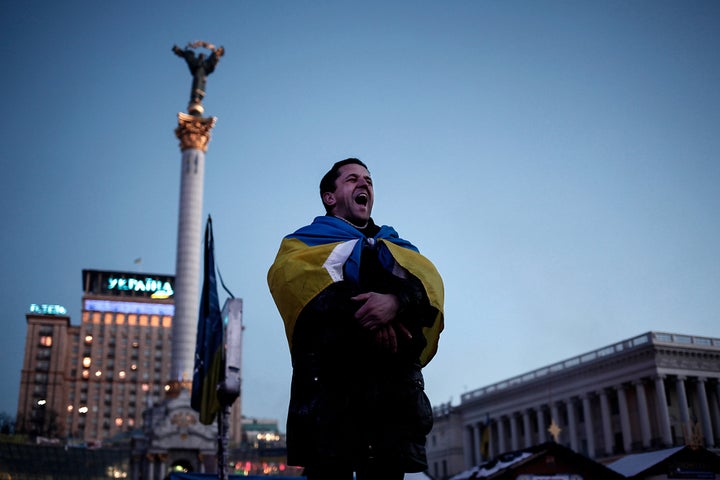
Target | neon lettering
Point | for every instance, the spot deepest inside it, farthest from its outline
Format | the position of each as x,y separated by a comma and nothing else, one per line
158,288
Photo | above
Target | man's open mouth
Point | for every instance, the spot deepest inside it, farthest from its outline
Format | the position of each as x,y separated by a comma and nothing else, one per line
362,199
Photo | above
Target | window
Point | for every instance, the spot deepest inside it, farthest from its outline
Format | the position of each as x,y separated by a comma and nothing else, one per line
46,340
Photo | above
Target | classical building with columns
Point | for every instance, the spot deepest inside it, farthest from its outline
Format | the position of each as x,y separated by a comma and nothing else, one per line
648,392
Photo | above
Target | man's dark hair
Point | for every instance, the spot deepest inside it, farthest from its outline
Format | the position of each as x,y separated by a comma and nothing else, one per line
327,184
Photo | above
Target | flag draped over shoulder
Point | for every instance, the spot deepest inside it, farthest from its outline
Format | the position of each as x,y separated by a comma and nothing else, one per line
209,366
328,251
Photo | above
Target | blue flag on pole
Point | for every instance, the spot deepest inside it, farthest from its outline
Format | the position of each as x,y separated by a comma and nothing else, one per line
209,366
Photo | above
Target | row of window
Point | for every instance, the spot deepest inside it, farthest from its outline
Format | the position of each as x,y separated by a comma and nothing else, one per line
112,321
106,424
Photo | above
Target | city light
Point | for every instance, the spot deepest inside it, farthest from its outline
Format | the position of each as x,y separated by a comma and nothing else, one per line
44,309
83,409
87,361
129,307
42,402
114,472
268,437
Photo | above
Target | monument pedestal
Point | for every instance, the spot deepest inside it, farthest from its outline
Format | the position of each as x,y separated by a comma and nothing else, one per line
174,439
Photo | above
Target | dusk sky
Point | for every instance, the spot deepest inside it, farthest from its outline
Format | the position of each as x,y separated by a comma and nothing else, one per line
558,161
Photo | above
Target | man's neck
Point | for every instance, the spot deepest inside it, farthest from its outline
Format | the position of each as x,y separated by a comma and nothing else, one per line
359,227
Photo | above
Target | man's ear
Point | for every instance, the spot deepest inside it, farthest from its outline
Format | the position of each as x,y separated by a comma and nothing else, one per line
329,198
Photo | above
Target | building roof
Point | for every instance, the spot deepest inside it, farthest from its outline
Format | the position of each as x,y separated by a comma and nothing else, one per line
490,468
698,462
539,459
631,465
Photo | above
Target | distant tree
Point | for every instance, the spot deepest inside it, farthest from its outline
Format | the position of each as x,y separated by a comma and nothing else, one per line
7,424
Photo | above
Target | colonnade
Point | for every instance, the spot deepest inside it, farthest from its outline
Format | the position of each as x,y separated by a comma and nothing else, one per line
156,467
623,418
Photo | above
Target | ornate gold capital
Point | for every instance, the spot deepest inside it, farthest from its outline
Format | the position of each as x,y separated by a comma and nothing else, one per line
194,132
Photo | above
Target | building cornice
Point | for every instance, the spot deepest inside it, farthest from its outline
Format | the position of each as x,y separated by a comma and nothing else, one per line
645,353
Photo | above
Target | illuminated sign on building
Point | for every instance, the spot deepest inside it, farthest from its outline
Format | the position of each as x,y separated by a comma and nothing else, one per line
129,307
43,309
128,284
156,288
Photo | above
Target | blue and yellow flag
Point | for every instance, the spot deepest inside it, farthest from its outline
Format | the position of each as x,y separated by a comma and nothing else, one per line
328,251
209,362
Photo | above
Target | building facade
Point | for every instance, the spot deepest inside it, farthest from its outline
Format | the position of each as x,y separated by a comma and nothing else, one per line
445,442
648,392
93,381
43,388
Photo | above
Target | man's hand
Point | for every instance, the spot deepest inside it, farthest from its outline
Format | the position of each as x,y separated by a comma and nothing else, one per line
377,310
377,314
386,337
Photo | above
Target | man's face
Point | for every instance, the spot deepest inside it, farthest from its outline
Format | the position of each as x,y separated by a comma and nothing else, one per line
353,196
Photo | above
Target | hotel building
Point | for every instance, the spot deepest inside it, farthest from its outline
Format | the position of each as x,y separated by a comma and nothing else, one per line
93,381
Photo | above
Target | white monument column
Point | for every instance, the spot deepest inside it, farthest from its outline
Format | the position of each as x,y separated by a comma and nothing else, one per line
643,413
501,435
541,426
608,440
705,413
514,433
194,135
624,418
555,418
572,424
713,397
663,414
682,401
589,431
526,428
469,442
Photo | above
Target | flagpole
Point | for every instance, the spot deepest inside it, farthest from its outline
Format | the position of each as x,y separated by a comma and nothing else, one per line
223,428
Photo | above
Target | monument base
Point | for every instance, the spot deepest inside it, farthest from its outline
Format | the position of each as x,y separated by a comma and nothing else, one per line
174,440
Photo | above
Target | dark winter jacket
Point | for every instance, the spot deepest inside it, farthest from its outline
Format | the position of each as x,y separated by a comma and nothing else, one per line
352,402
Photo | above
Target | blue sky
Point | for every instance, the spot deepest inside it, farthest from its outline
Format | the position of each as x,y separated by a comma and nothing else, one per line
557,160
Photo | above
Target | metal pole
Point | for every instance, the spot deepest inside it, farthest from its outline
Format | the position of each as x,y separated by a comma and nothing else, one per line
223,428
